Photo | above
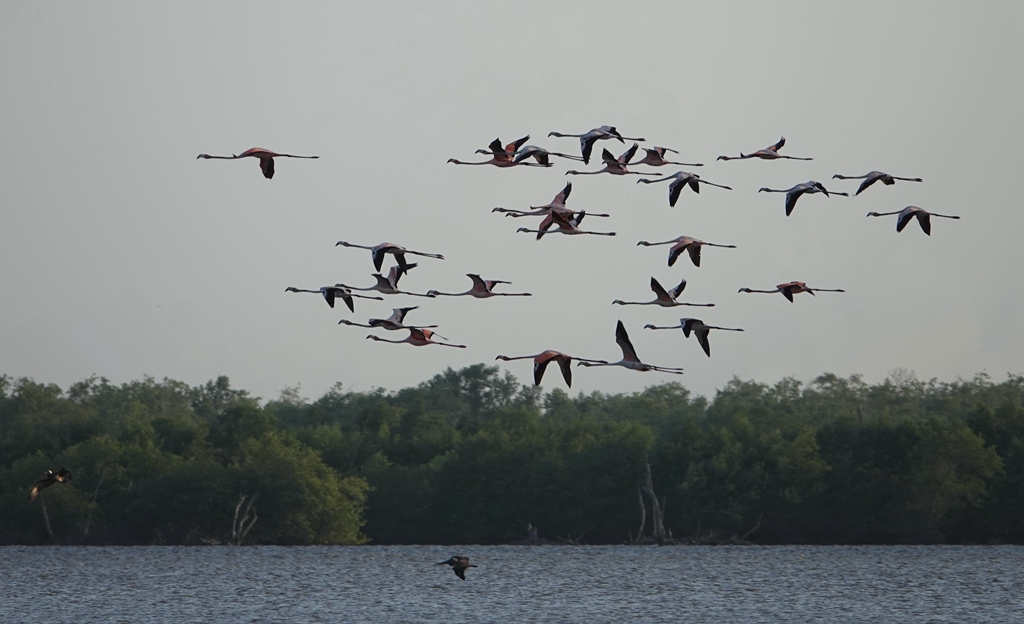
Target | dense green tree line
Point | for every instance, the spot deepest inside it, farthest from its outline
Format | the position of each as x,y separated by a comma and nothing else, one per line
471,456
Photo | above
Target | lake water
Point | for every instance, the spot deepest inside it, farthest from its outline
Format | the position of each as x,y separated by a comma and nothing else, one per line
224,584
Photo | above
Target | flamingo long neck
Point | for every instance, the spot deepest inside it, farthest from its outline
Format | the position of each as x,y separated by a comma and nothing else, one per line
522,357
378,339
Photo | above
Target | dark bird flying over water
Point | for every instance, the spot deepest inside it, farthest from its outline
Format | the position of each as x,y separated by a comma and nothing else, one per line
459,565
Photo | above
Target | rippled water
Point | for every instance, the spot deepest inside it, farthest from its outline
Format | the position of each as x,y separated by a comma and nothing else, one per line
512,584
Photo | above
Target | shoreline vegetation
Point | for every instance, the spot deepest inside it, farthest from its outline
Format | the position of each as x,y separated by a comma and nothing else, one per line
473,457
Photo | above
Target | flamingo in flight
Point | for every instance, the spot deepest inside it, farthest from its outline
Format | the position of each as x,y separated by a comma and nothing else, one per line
501,156
684,243
378,252
557,205
331,293
665,298
389,285
794,193
266,158
418,338
392,323
655,157
588,139
613,165
629,359
540,155
792,288
541,361
769,153
569,225
699,329
907,215
874,176
482,289
680,180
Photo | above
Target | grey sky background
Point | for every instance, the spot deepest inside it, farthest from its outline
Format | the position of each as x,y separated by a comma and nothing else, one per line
124,256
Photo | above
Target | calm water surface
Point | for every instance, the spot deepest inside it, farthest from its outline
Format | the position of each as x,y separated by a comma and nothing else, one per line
513,584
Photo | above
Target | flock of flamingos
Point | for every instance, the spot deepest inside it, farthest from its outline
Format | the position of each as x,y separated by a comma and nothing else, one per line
556,218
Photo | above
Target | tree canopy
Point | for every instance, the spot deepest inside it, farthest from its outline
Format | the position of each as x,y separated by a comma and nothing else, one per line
472,456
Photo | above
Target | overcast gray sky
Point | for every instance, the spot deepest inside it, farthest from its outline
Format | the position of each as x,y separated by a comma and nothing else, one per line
124,256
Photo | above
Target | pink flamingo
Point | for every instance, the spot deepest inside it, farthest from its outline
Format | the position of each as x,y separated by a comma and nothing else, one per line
655,157
265,156
588,139
393,323
541,361
875,176
330,293
482,289
769,153
665,298
378,252
684,243
792,288
680,180
907,215
566,224
699,329
613,165
557,206
501,156
418,338
540,155
794,193
389,285
629,359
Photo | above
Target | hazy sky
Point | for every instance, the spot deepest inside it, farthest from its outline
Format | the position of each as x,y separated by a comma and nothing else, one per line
123,256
